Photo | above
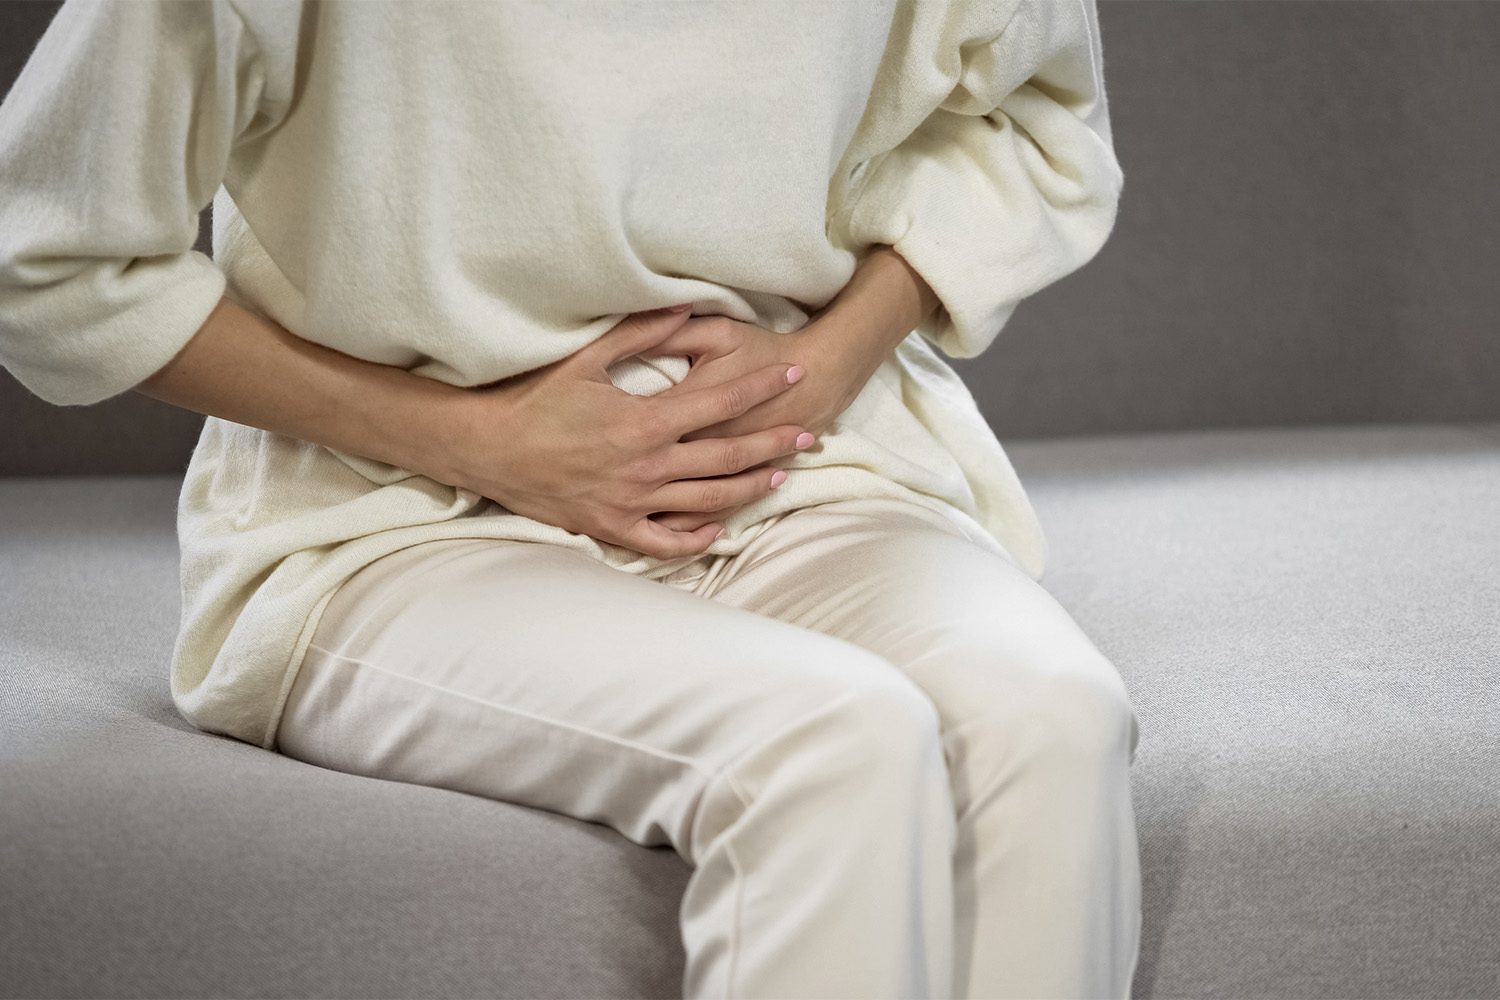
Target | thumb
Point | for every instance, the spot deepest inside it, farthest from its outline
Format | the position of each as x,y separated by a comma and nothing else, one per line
634,334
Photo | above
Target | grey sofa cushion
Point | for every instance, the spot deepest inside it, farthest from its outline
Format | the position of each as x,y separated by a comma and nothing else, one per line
1308,619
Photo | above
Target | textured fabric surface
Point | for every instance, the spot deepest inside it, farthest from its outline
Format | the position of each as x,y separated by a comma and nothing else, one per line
1306,620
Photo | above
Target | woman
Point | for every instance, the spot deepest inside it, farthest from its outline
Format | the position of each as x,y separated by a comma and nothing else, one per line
474,507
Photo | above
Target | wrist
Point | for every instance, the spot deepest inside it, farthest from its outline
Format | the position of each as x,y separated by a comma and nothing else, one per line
883,302
407,420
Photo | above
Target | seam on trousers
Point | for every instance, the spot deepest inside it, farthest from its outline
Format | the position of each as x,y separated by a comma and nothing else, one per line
739,888
622,741
711,774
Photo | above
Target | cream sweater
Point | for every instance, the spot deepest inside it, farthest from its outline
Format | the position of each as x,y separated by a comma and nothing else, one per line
472,190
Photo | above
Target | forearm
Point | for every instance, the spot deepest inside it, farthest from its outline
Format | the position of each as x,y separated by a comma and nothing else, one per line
253,371
884,301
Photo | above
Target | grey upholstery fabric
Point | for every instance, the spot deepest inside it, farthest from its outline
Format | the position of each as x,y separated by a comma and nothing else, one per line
1306,618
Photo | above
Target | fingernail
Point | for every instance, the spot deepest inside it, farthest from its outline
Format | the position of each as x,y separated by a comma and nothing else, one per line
682,308
778,479
721,534
794,373
804,439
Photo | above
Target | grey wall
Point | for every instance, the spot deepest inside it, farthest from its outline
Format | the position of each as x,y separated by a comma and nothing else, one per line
1309,234
1309,230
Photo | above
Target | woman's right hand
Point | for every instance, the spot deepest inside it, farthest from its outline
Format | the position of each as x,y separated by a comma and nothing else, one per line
564,445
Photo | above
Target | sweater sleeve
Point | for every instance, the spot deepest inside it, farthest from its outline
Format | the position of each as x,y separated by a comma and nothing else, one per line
1004,178
114,137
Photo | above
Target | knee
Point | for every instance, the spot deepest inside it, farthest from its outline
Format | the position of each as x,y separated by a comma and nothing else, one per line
887,725
1072,709
848,708
1090,712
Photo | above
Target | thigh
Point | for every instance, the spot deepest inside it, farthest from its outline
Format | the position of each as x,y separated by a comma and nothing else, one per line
987,643
537,675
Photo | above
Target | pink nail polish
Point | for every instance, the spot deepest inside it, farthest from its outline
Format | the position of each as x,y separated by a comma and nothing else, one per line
794,373
778,478
804,440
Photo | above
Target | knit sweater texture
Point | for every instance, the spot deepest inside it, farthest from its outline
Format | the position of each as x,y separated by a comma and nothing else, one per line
471,190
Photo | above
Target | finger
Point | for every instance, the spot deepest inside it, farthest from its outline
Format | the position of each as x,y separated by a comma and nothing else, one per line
652,538
633,334
724,456
682,411
717,492
696,339
692,520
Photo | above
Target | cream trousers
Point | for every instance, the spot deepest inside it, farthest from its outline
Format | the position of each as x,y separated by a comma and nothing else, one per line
895,763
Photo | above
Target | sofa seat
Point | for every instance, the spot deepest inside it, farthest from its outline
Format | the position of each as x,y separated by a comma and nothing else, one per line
1308,619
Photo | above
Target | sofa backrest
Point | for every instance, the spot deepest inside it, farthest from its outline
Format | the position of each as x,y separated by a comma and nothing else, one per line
1308,233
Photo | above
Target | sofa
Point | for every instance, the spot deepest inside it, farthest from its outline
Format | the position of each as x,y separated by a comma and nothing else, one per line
1261,429
1306,618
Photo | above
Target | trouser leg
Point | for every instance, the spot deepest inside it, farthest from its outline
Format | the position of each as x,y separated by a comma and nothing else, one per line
1038,730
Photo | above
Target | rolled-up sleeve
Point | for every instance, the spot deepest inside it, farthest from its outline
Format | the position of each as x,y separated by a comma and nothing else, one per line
113,139
1008,181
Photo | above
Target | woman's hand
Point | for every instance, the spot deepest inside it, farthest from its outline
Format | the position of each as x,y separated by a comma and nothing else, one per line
723,349
562,444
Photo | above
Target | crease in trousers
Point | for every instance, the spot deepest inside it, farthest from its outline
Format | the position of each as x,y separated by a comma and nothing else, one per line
896,764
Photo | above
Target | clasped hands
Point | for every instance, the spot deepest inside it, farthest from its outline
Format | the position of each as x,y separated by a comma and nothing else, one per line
721,349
